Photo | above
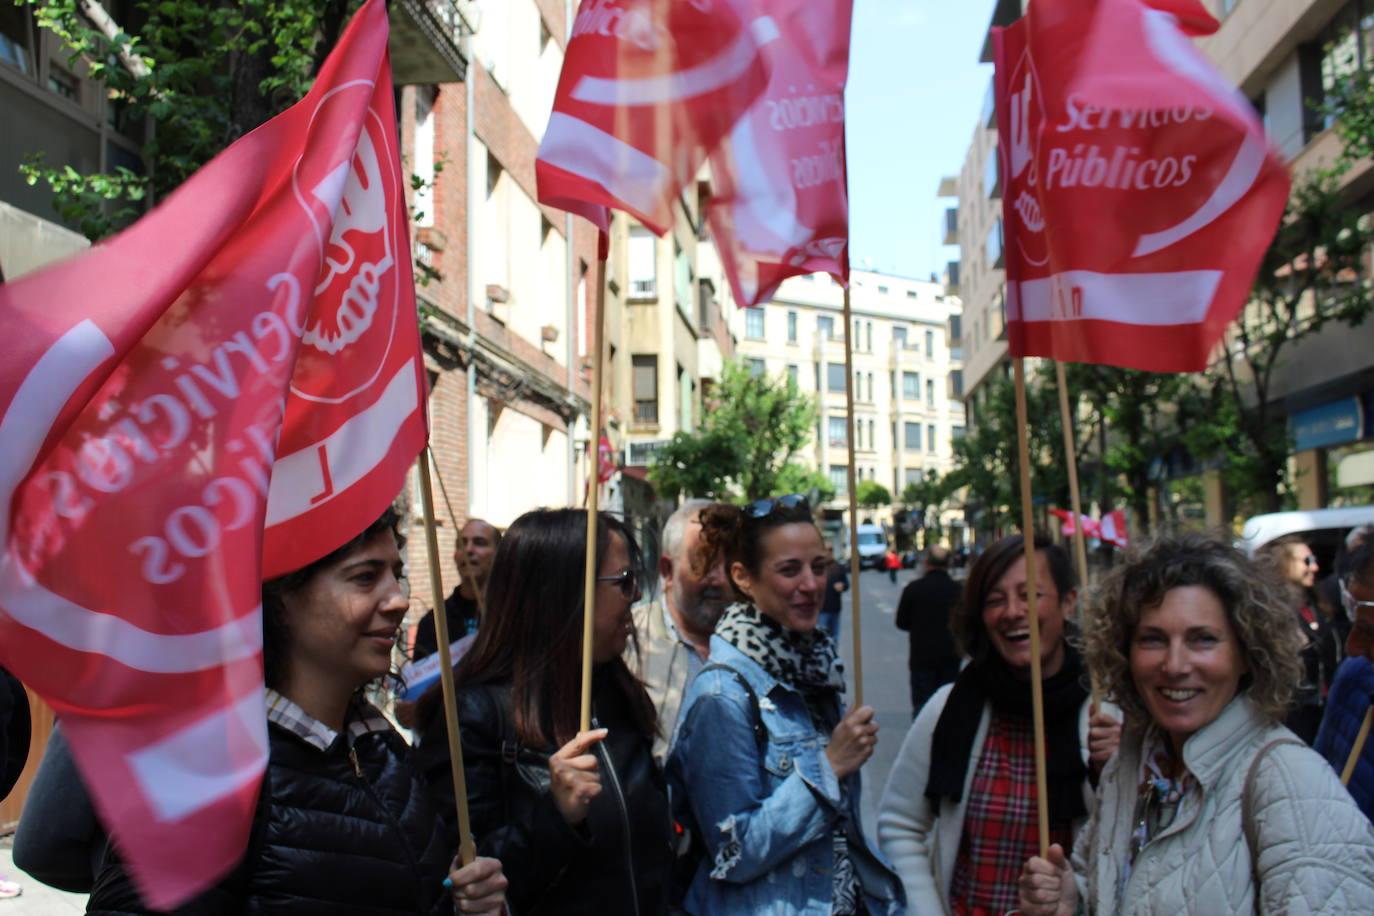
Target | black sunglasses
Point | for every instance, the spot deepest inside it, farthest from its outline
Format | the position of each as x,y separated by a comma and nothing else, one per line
626,580
762,508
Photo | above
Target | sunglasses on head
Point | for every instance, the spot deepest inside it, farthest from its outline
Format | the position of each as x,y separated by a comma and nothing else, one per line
627,581
762,508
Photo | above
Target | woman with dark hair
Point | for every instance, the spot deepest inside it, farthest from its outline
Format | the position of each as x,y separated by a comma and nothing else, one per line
1211,805
579,820
765,765
958,817
344,820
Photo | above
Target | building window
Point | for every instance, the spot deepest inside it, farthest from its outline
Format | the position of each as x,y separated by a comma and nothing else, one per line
893,379
868,331
911,386
930,393
15,38
882,289
930,439
791,327
899,336
956,383
645,388
825,326
794,374
914,475
913,437
834,377
753,323
872,439
757,367
642,258
839,479
956,433
930,344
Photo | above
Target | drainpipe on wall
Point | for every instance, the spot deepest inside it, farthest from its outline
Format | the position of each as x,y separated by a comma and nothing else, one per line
470,254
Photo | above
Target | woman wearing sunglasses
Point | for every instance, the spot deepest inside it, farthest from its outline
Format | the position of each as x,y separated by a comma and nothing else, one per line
765,764
1352,690
580,820
1293,562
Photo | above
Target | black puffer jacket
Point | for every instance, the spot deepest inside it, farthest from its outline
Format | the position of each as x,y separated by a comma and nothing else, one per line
336,834
617,862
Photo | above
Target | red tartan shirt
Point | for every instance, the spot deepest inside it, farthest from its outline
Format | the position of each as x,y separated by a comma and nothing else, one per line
1000,831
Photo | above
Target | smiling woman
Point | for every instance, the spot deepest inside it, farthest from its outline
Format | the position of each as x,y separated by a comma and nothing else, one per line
1211,805
344,820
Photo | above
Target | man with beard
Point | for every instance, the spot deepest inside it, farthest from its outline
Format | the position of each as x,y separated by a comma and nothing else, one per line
674,629
476,548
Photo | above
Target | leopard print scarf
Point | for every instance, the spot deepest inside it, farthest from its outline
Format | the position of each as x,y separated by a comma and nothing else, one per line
807,662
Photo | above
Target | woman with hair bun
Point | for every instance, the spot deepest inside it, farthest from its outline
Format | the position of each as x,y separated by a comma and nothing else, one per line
765,765
1211,805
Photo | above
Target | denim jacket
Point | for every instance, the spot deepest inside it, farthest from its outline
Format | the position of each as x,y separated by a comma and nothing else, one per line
767,825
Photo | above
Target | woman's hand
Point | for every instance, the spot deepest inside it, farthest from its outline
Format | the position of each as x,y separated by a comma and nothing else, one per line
1104,735
852,742
479,887
1046,886
575,777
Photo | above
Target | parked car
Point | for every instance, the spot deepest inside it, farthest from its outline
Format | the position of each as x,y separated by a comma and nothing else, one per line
1323,530
872,546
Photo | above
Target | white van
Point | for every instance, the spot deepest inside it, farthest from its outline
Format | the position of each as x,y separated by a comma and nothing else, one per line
872,546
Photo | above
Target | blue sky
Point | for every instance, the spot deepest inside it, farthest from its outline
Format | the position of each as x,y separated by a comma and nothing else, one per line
915,93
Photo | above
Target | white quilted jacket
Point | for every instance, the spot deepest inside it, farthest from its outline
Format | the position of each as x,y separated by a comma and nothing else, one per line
1315,847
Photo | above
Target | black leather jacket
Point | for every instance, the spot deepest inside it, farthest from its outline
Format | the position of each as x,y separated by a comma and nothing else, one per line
617,862
331,836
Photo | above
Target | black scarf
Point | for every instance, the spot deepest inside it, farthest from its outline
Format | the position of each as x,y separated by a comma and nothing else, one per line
992,680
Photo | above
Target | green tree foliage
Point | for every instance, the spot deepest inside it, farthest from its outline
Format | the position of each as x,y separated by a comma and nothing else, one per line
202,72
750,435
873,495
927,499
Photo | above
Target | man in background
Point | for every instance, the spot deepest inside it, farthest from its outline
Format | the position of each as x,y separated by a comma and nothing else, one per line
476,548
836,584
924,613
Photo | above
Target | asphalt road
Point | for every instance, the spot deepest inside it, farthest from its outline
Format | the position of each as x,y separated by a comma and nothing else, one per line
886,687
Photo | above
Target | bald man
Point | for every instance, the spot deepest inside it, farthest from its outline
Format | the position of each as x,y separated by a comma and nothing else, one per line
476,548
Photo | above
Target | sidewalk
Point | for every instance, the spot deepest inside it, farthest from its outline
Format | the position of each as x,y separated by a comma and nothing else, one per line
38,899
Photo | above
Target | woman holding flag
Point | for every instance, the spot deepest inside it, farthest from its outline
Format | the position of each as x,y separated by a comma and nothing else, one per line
579,820
344,822
765,765
959,812
1211,806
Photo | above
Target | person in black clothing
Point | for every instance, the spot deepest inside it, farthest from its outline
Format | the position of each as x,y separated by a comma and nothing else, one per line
344,823
477,543
579,820
924,612
836,584
1293,562
15,731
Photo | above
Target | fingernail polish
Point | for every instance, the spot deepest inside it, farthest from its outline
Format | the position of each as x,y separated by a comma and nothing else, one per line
448,883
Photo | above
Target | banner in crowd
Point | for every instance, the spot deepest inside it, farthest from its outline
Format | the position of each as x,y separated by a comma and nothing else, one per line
648,89
780,205
1112,529
1139,192
245,357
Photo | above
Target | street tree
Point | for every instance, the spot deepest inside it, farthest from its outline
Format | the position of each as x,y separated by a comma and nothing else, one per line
752,431
200,73
873,495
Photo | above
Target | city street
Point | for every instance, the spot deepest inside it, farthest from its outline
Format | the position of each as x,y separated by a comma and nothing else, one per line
885,676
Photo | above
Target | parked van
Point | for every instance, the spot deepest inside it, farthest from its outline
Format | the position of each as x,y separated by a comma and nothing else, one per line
872,546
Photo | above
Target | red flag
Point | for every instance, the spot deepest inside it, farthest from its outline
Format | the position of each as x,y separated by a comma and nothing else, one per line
1139,191
1114,530
259,323
1090,526
605,454
781,206
648,88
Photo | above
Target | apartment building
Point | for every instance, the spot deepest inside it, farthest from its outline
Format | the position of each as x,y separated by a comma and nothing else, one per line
907,381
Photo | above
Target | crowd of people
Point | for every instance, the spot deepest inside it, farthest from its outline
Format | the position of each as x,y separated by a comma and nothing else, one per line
722,773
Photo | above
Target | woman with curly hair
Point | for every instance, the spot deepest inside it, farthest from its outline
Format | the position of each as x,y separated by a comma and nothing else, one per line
1210,805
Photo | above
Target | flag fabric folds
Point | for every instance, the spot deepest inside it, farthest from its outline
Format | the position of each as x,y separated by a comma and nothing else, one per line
648,89
780,203
1111,529
1139,192
230,389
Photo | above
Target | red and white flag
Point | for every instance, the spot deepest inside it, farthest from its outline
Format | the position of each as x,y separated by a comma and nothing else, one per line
648,89
245,357
1139,191
781,201
1067,527
1114,530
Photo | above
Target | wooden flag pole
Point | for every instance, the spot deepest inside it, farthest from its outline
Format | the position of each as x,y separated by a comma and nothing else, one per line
1358,748
855,603
467,851
593,497
1033,611
1080,547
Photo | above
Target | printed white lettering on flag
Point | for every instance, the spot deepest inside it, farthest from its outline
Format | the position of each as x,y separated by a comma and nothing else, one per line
204,762
576,146
304,479
1139,299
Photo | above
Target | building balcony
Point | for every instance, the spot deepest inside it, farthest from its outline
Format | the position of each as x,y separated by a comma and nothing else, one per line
952,278
424,41
951,226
